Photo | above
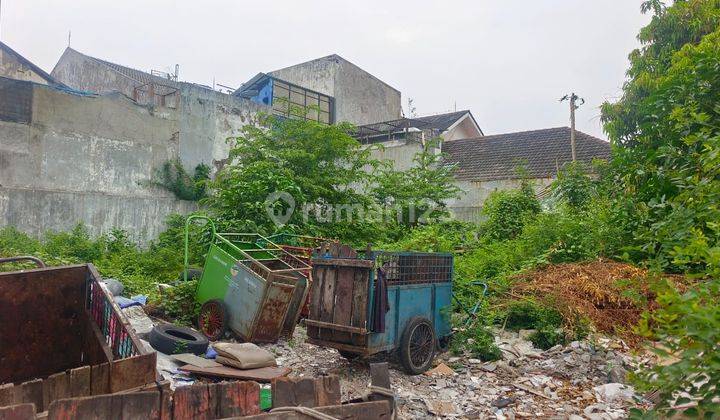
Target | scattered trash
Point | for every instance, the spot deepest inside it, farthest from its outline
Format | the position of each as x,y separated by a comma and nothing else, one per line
174,339
142,299
243,355
265,374
440,370
440,408
210,353
503,402
141,323
191,359
614,392
113,286
124,302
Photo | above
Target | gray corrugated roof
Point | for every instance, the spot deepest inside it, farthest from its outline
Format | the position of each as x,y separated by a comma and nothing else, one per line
134,74
442,121
439,122
540,152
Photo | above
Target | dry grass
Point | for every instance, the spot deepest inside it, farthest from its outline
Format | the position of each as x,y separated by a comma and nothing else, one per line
611,295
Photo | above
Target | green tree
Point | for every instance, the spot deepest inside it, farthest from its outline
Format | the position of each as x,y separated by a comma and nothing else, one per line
419,193
666,132
314,170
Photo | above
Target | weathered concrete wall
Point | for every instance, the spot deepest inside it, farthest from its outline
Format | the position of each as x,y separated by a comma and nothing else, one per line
83,73
12,68
399,152
206,118
85,158
469,205
360,97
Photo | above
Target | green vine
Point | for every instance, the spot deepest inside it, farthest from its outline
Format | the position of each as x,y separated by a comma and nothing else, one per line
173,177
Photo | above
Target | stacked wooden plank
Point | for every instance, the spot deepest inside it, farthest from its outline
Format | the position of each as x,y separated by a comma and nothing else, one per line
225,400
120,375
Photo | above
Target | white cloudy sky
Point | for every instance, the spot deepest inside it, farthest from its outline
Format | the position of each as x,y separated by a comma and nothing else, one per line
508,61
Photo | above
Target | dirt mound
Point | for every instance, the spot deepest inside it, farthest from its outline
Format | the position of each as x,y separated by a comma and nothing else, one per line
610,294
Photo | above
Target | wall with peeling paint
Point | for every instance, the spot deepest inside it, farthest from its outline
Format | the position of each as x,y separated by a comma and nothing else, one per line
206,118
84,158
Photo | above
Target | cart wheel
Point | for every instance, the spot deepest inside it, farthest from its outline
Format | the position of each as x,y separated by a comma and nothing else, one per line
213,319
417,346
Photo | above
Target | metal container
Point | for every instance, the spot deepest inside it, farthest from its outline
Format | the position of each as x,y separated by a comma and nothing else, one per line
261,286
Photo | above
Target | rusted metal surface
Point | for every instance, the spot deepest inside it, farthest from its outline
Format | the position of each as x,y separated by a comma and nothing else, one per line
30,258
46,325
268,325
42,324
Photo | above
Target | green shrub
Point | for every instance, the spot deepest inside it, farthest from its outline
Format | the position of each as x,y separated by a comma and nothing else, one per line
439,237
76,244
687,325
13,242
529,314
179,303
507,211
546,337
173,177
574,186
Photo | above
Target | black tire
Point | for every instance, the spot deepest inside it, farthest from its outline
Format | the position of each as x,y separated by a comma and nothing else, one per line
213,319
417,346
173,339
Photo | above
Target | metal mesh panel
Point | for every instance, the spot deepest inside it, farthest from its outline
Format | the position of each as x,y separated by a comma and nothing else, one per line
108,320
414,267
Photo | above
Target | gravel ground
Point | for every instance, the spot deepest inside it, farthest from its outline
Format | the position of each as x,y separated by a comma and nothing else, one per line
580,380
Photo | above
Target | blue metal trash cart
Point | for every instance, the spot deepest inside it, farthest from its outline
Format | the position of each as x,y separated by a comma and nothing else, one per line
382,302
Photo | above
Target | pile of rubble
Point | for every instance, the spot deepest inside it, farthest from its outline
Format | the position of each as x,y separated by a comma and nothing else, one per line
580,380
584,379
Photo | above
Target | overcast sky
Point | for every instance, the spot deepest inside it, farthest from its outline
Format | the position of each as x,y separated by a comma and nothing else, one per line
507,61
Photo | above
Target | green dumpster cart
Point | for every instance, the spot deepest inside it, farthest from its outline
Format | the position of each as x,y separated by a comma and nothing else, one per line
250,286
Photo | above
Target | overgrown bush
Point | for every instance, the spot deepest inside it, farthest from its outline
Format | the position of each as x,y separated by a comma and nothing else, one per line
507,211
173,177
116,256
179,303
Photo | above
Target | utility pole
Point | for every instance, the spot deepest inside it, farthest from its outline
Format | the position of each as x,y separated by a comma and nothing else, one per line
573,98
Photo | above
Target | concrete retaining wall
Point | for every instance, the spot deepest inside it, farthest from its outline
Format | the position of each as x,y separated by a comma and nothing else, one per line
84,158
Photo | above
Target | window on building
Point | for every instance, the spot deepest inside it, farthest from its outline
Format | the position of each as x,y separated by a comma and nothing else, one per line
295,102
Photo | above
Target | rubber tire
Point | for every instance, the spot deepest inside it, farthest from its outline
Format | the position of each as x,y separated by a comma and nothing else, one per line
174,339
224,322
404,350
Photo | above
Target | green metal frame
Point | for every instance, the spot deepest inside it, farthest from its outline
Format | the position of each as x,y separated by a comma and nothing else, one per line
187,236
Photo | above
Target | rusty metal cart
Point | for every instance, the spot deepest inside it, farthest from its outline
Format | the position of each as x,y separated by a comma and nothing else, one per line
250,286
302,247
382,302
